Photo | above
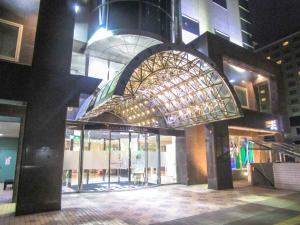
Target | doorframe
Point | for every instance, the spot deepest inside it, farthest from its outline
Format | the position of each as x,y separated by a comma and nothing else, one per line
20,112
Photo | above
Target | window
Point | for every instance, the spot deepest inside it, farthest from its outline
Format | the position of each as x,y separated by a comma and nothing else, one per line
293,92
286,43
221,34
290,75
242,94
294,110
190,25
221,3
262,94
291,83
290,66
10,40
78,64
294,101
298,130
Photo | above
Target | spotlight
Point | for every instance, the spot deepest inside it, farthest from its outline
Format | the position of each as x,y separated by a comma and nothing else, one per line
76,8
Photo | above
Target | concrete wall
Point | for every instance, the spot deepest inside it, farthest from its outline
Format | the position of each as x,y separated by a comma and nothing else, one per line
261,174
287,176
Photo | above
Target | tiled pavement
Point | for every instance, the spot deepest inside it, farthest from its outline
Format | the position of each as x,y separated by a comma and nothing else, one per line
170,205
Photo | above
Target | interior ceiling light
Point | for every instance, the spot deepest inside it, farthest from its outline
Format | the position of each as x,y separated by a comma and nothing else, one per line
76,8
101,33
238,69
168,89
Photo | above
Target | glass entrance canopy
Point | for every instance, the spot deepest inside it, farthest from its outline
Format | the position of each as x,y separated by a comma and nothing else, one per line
166,86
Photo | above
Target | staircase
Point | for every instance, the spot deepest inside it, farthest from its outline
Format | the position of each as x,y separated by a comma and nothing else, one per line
291,150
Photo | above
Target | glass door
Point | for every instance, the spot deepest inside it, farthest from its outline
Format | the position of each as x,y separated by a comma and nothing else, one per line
168,159
95,174
138,160
119,160
71,161
153,165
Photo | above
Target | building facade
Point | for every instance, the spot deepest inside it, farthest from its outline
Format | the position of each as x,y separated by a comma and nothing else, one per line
107,103
228,19
286,52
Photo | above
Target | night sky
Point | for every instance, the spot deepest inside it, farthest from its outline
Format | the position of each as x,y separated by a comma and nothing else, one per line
274,19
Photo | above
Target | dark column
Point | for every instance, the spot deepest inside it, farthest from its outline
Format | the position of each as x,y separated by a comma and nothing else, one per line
40,179
218,156
177,21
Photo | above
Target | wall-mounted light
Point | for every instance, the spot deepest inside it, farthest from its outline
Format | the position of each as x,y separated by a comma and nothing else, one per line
1,134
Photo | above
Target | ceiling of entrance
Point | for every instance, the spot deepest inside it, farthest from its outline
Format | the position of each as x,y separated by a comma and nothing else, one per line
9,129
119,48
169,88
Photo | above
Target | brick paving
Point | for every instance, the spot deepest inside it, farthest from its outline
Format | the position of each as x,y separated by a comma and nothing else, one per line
169,205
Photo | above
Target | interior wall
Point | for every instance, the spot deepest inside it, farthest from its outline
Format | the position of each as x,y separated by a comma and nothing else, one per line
8,157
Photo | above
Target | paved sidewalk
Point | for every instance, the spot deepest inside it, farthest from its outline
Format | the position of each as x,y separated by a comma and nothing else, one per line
170,205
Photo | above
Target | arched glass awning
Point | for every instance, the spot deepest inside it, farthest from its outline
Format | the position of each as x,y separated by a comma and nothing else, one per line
167,86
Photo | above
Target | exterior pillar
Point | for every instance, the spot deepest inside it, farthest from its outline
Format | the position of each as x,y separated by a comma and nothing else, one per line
196,155
218,156
40,181
176,28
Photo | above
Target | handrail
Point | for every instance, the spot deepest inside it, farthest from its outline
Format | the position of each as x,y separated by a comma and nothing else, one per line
285,148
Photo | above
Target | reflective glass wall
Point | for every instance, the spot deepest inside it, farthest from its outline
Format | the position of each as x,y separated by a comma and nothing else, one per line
102,160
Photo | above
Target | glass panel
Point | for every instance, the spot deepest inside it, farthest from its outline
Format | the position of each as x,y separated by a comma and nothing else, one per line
71,161
138,160
95,160
168,159
152,159
98,68
119,160
8,39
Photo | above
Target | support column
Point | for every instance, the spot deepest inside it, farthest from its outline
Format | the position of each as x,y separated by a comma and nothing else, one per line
218,156
40,180
158,159
176,21
196,155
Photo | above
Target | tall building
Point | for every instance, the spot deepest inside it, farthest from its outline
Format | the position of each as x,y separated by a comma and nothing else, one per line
286,52
106,96
228,19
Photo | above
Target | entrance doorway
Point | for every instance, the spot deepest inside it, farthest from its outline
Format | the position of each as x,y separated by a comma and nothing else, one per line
11,126
117,158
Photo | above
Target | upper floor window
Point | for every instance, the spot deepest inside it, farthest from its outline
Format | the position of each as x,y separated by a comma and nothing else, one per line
10,40
242,94
294,101
190,25
221,34
221,3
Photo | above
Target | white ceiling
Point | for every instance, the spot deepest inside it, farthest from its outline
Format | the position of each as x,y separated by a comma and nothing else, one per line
9,129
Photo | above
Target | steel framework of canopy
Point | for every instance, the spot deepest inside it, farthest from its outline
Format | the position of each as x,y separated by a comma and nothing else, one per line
169,88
